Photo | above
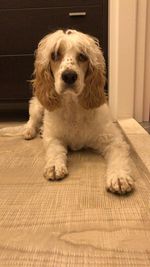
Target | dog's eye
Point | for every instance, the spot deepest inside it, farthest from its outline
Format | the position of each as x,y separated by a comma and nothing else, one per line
55,56
82,57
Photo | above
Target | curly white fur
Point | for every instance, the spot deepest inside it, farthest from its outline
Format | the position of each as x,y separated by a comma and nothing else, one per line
75,115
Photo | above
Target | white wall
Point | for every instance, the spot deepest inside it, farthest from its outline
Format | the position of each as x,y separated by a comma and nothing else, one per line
129,58
142,62
146,106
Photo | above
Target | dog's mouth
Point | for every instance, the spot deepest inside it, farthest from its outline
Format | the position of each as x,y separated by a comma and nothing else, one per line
69,89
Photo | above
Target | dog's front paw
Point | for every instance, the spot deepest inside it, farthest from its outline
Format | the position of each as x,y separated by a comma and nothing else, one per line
29,133
55,172
120,185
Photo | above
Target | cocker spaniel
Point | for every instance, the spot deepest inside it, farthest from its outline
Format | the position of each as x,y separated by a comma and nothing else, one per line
69,79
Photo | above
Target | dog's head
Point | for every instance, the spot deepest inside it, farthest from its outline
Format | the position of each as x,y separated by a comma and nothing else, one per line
71,62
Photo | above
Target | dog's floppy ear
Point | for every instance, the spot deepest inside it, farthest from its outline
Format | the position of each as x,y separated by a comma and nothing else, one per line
93,95
43,82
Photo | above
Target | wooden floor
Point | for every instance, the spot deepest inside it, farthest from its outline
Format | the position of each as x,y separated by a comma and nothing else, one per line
71,223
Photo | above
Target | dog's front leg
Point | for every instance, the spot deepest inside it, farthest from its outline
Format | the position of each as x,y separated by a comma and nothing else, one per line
56,160
35,120
116,153
118,175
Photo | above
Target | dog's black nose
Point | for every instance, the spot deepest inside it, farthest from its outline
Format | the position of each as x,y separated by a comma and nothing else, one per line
69,76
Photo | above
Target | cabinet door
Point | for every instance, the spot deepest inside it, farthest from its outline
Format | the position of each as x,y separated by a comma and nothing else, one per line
24,23
15,75
23,29
45,3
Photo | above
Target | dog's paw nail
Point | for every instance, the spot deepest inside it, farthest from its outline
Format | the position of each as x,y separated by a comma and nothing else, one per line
55,172
61,172
120,185
49,173
29,133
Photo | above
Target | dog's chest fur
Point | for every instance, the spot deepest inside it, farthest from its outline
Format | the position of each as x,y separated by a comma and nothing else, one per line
73,114
71,123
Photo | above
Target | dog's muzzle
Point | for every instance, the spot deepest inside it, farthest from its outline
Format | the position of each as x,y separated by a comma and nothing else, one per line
69,77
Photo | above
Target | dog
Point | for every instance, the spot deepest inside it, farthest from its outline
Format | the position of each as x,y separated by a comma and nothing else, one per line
68,85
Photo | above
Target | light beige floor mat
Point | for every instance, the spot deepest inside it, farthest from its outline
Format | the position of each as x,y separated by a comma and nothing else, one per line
73,222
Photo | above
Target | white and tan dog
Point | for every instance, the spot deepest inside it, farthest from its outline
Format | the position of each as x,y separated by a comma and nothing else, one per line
69,79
